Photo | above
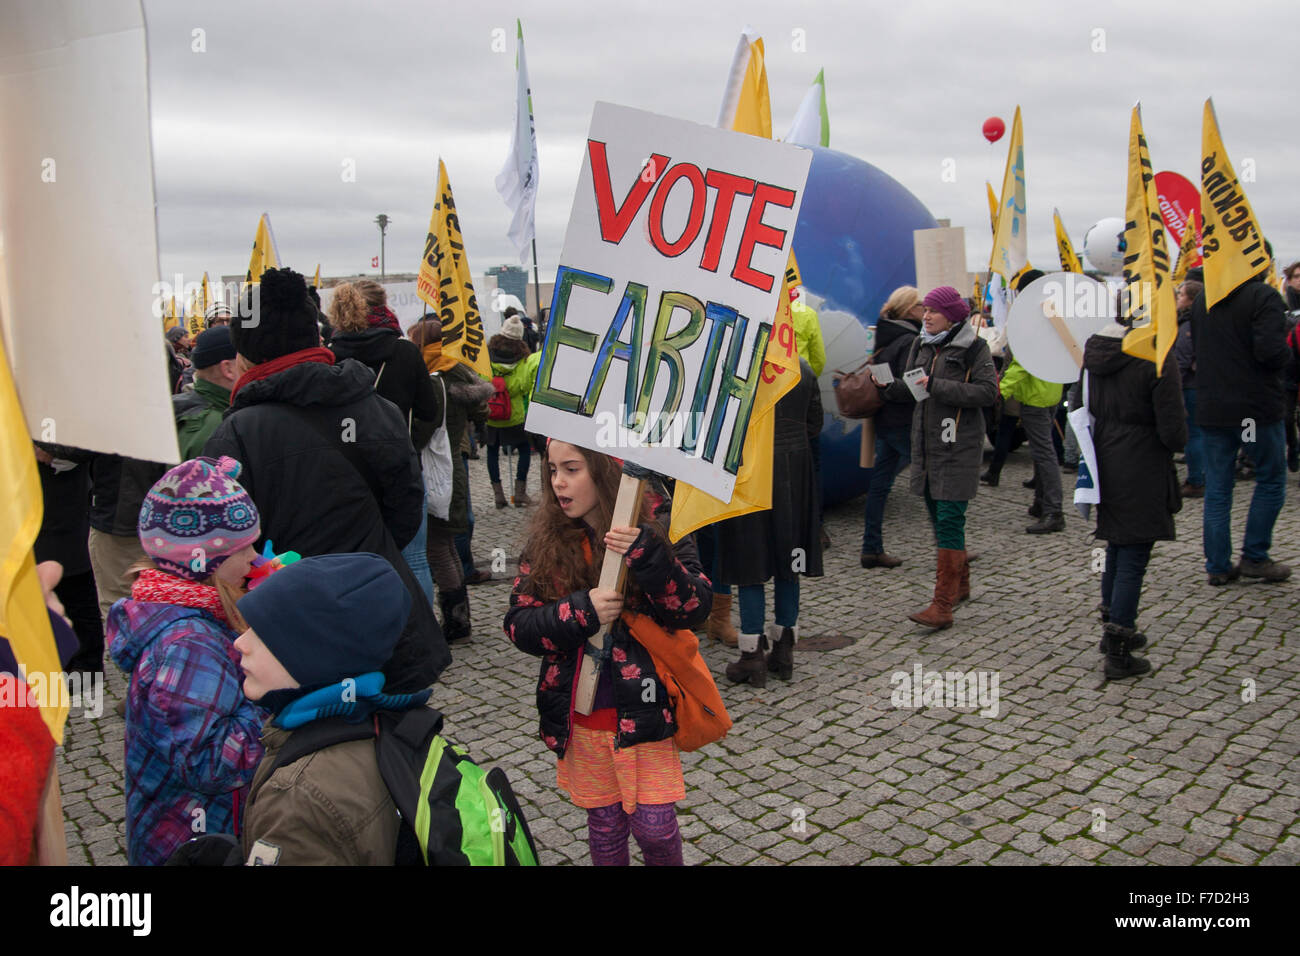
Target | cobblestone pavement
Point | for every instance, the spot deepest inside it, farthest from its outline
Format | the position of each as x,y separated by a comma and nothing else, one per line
1194,763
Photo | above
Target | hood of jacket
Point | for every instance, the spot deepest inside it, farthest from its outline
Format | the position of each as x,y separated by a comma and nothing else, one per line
373,347
506,351
1103,353
135,625
887,330
311,383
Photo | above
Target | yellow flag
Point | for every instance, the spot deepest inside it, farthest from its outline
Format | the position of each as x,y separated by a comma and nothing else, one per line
316,282
1231,240
207,298
194,318
692,508
1069,261
445,285
23,616
1147,281
264,255
993,207
1187,249
1010,236
170,318
746,106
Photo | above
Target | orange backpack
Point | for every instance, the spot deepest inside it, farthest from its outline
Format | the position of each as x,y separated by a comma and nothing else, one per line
701,717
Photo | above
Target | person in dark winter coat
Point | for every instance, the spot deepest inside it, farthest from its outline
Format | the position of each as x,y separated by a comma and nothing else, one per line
328,462
619,762
1240,355
1185,355
464,392
948,437
782,542
1140,424
366,329
896,330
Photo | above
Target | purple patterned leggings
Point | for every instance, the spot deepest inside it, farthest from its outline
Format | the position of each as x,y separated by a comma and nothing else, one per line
653,825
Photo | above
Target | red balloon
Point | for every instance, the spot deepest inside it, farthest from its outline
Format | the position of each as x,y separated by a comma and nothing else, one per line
993,129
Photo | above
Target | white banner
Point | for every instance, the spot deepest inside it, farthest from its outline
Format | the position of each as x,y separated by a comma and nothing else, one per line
77,227
665,296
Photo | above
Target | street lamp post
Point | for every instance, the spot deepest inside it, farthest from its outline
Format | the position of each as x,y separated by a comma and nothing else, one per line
382,221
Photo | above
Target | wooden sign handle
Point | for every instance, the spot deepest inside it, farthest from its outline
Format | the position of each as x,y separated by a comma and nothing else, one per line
1063,330
51,839
613,572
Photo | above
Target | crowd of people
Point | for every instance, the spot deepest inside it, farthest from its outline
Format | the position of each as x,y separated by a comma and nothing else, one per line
311,437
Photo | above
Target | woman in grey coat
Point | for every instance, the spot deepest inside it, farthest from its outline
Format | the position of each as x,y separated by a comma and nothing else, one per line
948,437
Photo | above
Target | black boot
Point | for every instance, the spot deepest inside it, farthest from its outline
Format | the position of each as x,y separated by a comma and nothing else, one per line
781,661
752,666
992,476
1048,524
1139,639
1120,662
455,614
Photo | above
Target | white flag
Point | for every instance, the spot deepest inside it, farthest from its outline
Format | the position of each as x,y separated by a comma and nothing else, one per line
517,182
812,126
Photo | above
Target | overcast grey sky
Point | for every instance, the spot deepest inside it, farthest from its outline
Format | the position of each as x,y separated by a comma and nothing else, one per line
286,92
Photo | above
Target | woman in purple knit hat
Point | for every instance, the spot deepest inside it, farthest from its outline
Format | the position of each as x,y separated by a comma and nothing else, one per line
957,379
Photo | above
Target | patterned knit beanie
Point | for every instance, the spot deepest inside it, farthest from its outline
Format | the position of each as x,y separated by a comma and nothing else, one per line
197,516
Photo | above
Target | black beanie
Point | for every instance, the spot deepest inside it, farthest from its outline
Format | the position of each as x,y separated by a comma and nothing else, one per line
212,346
329,617
276,317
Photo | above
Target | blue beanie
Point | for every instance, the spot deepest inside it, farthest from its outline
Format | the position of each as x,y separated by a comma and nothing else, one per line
329,617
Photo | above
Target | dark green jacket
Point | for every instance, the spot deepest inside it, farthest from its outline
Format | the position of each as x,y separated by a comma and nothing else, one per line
198,413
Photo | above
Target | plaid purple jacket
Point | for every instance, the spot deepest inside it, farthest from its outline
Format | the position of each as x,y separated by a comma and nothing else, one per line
193,739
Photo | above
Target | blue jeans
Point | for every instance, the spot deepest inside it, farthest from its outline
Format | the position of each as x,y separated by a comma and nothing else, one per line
417,560
1268,451
1121,582
893,454
753,603
1195,450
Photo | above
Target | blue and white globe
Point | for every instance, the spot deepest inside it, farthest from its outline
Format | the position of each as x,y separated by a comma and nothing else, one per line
854,246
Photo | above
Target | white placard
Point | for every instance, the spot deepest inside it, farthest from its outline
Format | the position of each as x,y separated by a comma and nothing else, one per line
77,228
1084,307
882,373
669,280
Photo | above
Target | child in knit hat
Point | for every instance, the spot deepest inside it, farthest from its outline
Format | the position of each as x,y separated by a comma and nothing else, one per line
191,734
319,632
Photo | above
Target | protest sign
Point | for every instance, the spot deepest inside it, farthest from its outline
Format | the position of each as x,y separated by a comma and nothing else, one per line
665,295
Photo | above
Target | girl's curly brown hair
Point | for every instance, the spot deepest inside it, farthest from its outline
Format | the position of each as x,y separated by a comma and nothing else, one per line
554,543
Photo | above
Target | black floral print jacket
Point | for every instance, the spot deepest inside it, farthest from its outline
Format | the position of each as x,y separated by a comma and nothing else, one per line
676,595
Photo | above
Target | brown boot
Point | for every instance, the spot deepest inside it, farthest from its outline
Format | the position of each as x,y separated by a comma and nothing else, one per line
500,494
947,576
719,626
521,499
752,666
963,582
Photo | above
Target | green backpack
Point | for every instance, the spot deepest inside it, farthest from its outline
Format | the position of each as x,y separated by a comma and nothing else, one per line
454,813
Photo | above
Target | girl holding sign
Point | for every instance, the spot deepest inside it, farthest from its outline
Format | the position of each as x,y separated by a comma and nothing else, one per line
619,763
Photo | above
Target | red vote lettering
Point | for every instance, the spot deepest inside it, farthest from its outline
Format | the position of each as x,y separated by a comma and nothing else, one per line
759,233
785,337
696,218
614,222
729,186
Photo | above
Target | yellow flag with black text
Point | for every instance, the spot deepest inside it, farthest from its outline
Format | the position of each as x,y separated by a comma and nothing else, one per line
1232,243
265,256
1010,256
993,207
1187,249
1069,260
1148,285
444,284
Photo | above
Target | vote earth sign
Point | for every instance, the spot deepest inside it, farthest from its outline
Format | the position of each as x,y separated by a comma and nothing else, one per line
665,296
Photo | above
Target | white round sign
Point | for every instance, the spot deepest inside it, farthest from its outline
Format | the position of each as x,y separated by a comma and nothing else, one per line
1052,318
1101,246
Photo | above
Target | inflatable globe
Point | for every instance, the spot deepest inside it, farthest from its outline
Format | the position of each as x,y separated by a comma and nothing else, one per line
1101,246
854,246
